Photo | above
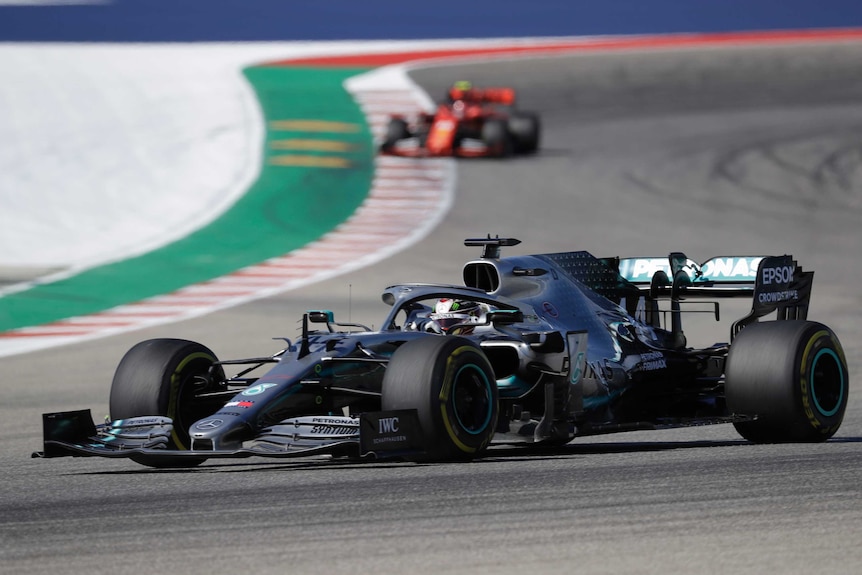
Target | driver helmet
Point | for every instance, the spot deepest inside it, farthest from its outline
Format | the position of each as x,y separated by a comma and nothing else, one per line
459,90
450,312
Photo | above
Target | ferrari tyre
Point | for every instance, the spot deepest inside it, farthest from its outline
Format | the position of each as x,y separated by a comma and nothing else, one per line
791,375
450,383
525,130
395,131
163,377
495,135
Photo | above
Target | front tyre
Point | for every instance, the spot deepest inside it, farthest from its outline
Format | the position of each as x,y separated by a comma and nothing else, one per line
165,377
451,384
791,375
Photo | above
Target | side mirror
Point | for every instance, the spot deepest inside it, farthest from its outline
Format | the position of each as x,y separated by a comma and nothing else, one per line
321,316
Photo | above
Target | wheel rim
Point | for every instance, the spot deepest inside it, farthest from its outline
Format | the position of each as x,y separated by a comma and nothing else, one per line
471,399
827,382
187,409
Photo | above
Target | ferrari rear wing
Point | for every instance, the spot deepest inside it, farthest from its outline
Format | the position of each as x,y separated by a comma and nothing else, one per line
775,283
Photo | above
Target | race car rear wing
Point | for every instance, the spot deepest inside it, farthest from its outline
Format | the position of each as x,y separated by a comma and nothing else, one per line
775,283
721,276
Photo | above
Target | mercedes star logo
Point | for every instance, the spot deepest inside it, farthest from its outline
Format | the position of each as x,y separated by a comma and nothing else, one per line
209,424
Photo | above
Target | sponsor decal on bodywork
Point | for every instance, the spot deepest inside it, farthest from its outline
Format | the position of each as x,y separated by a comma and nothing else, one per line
642,269
390,431
550,309
731,268
258,389
780,281
721,269
653,360
244,404
209,424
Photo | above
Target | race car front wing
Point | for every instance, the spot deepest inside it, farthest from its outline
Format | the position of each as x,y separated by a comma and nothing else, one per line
385,434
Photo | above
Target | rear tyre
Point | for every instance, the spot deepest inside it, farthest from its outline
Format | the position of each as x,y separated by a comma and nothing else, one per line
525,130
163,377
495,135
395,131
791,375
450,383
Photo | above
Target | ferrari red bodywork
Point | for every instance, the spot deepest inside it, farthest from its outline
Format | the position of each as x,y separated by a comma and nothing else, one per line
472,122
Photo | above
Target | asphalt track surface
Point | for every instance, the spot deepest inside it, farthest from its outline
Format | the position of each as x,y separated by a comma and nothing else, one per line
709,151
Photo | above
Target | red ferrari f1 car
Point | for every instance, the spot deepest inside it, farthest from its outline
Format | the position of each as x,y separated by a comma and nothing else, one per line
471,122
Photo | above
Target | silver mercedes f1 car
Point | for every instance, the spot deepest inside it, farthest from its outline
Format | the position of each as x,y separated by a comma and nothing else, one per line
531,350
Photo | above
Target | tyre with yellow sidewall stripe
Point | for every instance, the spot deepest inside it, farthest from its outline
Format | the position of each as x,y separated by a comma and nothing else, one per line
792,377
449,381
166,377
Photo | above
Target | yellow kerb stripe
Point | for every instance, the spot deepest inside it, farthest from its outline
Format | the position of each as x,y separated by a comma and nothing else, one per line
312,145
314,126
310,161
